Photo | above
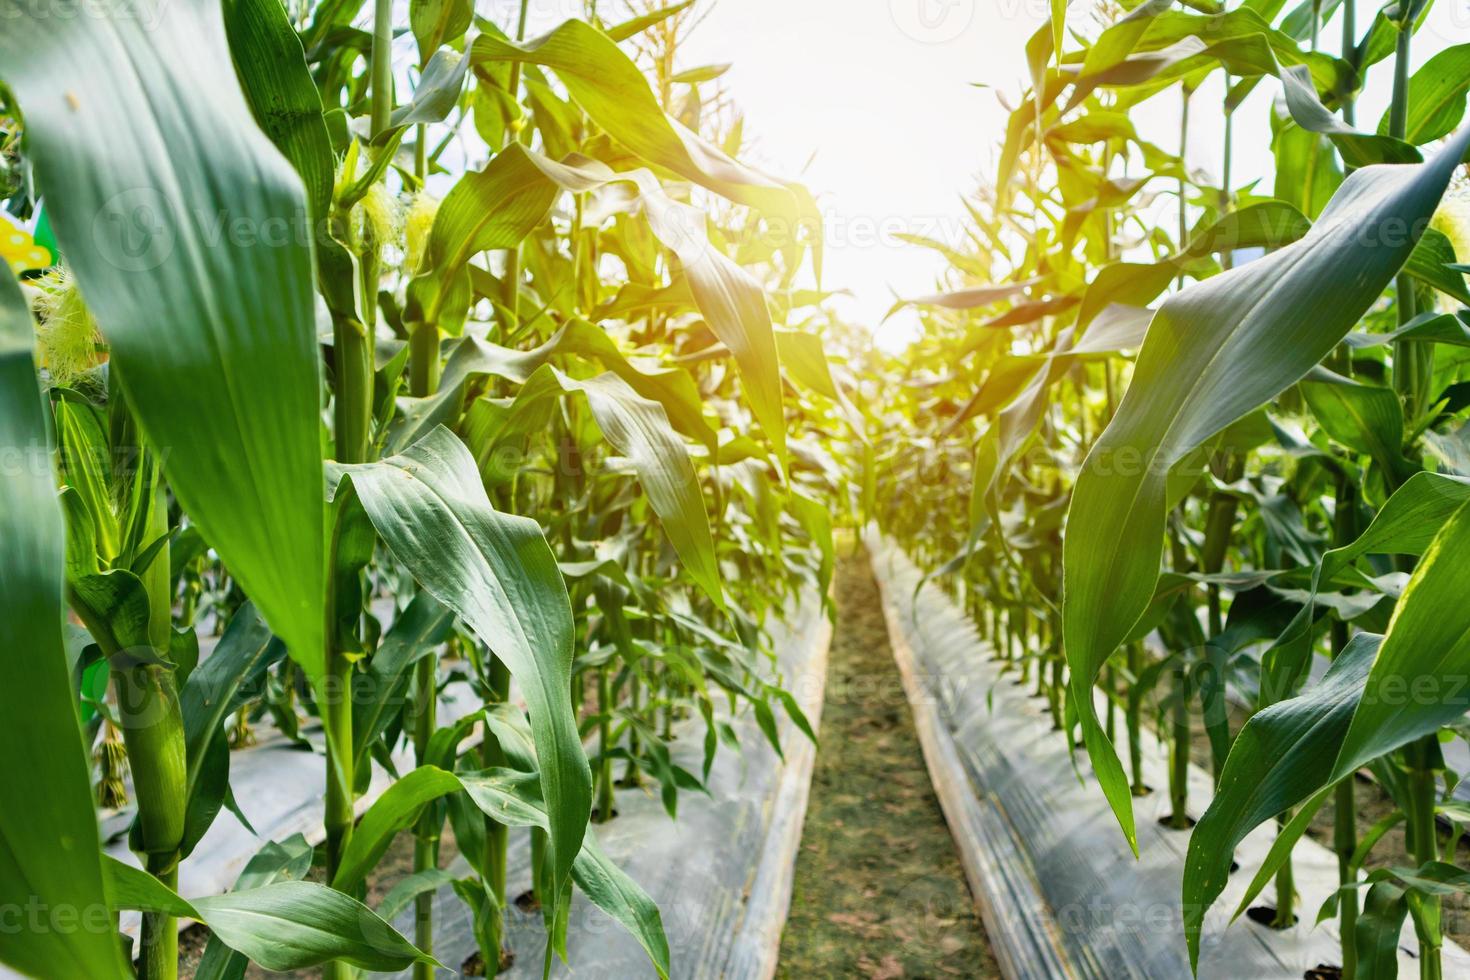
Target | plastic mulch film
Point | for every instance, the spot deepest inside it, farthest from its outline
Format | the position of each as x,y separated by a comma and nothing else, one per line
1060,893
721,872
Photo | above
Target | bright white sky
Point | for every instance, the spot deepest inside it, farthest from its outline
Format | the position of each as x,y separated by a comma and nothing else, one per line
880,95
882,92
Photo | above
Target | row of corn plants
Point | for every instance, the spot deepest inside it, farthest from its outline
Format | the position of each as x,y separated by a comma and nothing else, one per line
355,308
1216,462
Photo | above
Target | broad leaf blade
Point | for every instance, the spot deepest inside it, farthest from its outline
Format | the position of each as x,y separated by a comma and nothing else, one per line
181,227
1214,352
498,574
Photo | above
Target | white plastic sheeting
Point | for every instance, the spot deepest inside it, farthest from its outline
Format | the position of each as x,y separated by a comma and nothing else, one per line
1060,892
721,873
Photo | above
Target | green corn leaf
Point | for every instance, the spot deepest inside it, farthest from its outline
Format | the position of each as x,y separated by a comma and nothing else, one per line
673,388
486,209
1281,749
395,810
181,228
291,925
1129,283
283,925
497,573
637,25
409,888
130,887
1307,169
511,798
287,860
730,298
612,90
1436,97
436,94
416,633
1433,328
640,430
965,299
803,358
438,22
1428,638
1214,352
611,890
1281,848
55,860
1365,418
1266,224
1431,263
1380,925
1299,746
1407,522
1113,46
1357,149
286,104
213,690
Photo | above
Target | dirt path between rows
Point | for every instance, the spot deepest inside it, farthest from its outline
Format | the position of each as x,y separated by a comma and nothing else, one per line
879,891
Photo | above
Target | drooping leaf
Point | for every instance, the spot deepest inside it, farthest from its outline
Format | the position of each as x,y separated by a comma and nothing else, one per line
609,86
1215,351
284,925
1279,750
216,688
291,925
217,353
730,298
1436,97
395,810
497,573
493,208
639,429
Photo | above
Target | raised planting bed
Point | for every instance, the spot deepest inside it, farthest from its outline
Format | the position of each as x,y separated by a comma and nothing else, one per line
1054,880
720,873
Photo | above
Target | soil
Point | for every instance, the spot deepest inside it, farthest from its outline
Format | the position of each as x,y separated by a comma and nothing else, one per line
879,891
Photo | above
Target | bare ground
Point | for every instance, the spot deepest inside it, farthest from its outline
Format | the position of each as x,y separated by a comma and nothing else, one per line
879,890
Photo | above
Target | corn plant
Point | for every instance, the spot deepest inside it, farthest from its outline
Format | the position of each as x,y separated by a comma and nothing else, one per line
297,361
1204,520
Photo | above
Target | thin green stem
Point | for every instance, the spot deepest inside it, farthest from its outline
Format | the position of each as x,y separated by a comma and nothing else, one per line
1285,916
382,65
604,742
511,284
1179,756
1183,170
338,821
1133,715
493,860
1349,49
352,406
1345,808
